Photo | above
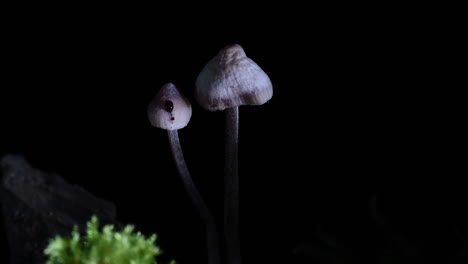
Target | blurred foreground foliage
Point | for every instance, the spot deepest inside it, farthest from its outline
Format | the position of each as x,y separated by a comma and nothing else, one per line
103,247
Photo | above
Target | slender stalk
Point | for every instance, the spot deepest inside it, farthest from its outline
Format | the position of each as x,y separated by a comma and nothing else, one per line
231,187
210,226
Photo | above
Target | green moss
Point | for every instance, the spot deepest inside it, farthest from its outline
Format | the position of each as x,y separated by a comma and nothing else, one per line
103,247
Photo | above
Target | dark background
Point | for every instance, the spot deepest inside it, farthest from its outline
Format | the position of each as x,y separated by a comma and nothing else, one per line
350,118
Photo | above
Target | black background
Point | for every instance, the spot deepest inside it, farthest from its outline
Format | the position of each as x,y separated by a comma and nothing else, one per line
350,118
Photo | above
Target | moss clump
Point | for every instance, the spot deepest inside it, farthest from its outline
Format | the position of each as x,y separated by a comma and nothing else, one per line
103,247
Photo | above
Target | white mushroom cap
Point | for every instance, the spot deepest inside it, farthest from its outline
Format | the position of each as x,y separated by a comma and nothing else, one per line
231,79
169,109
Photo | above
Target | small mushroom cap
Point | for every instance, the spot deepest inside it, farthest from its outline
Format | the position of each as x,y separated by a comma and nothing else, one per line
169,109
232,79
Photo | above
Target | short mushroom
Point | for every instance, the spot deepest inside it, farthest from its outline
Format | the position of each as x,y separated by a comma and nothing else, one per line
170,110
227,81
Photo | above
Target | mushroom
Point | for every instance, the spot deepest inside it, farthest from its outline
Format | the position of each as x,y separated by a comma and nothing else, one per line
227,81
170,110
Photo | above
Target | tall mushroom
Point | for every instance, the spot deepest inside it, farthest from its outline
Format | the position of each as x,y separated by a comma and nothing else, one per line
170,110
227,81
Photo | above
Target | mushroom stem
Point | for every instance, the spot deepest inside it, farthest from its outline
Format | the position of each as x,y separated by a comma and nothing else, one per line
210,226
231,187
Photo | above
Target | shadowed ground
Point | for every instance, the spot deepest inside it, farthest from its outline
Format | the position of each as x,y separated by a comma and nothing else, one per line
37,206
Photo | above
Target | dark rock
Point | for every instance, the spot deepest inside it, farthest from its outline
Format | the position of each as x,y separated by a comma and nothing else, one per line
38,206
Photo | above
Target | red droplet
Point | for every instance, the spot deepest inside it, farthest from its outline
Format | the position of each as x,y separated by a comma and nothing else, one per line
169,106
